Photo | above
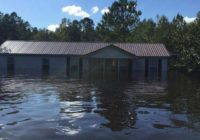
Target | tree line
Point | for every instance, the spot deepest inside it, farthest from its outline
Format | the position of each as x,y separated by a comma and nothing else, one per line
121,24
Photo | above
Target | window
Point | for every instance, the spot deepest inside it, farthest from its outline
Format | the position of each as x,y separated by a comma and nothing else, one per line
146,67
45,66
159,67
68,66
80,67
114,62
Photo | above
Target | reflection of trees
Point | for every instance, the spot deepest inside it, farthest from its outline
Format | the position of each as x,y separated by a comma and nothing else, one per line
119,101
76,100
10,90
184,95
75,90
116,107
116,101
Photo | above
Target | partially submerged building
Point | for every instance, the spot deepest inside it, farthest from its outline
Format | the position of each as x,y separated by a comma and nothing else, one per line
82,59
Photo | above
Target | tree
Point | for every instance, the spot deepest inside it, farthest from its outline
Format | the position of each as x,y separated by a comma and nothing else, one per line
120,24
162,30
62,32
121,19
69,31
178,45
87,30
43,35
74,31
1,28
144,32
193,45
14,28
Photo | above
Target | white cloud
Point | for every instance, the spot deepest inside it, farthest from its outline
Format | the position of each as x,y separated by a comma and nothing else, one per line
75,11
104,10
189,20
53,27
95,9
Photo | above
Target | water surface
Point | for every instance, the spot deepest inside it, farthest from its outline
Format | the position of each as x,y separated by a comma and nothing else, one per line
61,108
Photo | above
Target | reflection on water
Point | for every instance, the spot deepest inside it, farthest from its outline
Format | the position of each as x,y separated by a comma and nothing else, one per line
60,108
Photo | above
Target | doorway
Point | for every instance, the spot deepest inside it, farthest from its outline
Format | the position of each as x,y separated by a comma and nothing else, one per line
10,65
45,66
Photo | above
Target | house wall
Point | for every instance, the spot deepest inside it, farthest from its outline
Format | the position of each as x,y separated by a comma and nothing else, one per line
58,64
27,65
153,62
139,67
33,65
139,64
103,57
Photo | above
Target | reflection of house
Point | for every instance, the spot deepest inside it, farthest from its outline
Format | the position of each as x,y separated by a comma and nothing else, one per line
83,59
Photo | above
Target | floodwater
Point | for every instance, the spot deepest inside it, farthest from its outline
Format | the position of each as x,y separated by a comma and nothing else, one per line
60,108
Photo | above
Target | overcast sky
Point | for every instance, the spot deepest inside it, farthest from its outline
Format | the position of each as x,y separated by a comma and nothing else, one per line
48,13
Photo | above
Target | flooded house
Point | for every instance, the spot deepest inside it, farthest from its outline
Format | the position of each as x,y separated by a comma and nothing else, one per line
81,59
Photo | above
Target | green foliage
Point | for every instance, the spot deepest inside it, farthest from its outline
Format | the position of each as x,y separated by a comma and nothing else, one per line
121,19
76,31
42,35
184,42
62,32
144,32
87,30
12,27
162,30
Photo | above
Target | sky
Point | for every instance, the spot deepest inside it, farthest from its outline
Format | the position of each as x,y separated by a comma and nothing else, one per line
48,13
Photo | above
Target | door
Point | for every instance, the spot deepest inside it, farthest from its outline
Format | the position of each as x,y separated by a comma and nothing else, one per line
10,65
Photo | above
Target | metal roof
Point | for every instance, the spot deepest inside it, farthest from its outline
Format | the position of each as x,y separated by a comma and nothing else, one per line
80,48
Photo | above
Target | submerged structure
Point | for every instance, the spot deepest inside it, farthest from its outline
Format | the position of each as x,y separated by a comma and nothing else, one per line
80,59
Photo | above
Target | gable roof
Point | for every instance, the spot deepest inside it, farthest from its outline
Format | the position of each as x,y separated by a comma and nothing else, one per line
80,48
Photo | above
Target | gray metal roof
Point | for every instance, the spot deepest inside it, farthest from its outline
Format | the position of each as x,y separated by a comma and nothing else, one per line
79,48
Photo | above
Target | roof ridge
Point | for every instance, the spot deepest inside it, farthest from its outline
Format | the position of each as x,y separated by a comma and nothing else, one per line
80,42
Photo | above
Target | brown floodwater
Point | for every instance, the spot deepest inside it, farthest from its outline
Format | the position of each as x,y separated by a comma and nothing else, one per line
59,108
